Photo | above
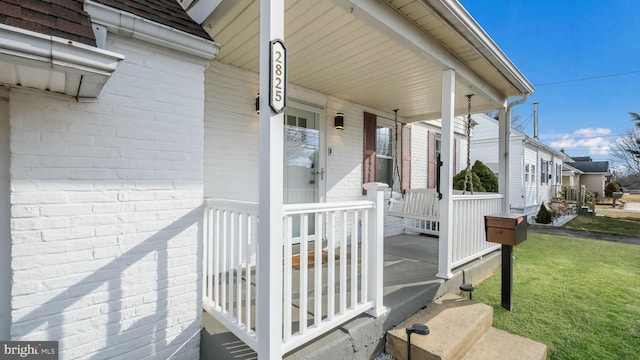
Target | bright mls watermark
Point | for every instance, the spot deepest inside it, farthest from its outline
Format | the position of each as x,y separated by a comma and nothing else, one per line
32,350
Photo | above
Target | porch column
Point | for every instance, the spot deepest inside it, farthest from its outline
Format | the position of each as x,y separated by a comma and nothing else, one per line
269,267
446,175
504,128
375,256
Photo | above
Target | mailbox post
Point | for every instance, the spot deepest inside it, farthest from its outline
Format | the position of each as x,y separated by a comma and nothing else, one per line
508,230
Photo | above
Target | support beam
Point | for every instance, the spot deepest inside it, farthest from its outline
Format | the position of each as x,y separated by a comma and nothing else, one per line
446,177
269,268
390,22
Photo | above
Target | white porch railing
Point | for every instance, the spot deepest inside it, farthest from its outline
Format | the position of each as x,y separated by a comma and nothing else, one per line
229,269
331,273
469,240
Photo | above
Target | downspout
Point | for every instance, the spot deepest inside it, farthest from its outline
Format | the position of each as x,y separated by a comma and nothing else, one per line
524,98
522,182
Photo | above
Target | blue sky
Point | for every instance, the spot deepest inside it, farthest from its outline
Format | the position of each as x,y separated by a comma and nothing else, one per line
555,41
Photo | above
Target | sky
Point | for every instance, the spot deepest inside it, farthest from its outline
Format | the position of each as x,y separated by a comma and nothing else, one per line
555,42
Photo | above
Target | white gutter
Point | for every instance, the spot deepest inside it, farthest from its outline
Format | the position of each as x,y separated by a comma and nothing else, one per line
127,24
461,20
85,68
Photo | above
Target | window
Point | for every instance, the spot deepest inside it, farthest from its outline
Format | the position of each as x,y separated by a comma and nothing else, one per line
558,174
533,173
384,154
526,173
544,171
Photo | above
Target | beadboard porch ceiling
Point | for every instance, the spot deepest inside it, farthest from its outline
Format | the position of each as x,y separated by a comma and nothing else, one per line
337,48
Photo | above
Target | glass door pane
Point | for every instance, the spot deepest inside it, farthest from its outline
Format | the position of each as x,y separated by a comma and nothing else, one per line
302,168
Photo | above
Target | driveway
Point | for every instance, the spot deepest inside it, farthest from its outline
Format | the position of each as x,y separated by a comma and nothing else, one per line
552,230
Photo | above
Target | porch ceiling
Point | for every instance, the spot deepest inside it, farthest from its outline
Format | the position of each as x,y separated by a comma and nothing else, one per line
336,49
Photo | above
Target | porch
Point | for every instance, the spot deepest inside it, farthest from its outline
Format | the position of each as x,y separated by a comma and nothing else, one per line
303,270
336,266
410,283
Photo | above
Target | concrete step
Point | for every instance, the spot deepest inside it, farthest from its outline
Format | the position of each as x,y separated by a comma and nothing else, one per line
461,329
499,344
455,325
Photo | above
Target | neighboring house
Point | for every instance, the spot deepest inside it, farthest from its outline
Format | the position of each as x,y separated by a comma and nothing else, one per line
570,175
593,174
119,117
536,169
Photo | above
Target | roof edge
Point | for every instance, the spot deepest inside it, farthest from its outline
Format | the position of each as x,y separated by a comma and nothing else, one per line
86,68
137,27
475,34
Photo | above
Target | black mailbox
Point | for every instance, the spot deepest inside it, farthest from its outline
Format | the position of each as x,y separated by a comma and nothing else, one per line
506,229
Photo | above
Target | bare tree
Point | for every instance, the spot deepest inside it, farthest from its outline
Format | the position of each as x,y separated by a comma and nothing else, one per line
626,151
516,120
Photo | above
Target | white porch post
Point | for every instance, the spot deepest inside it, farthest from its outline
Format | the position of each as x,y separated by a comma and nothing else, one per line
269,267
504,126
375,257
446,175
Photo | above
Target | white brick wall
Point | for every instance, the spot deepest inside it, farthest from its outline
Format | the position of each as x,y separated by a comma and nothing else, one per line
231,133
106,204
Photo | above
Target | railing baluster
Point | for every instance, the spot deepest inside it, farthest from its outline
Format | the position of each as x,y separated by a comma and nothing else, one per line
343,264
287,284
304,271
247,261
231,267
317,271
364,258
206,226
331,265
224,270
216,263
239,267
354,258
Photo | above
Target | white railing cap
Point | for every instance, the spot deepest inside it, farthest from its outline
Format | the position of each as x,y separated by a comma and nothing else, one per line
375,186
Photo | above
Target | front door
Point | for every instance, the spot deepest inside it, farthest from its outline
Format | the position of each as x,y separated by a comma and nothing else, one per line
304,170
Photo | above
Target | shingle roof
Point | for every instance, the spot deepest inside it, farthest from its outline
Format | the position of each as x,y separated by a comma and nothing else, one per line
62,18
66,18
592,166
166,12
581,158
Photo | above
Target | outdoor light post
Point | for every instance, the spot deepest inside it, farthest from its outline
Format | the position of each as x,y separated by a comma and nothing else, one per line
420,329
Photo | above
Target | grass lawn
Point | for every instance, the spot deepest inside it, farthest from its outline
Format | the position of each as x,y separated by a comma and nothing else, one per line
580,297
605,224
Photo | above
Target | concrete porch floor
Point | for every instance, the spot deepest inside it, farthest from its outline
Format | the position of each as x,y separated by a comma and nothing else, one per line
410,266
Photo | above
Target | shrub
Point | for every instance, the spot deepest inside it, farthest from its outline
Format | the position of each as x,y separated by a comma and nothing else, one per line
458,182
487,178
544,215
611,188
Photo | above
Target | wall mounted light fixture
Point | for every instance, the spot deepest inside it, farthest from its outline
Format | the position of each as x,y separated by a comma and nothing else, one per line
339,121
258,104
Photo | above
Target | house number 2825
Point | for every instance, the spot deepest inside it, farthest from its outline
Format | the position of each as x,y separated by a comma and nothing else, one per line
278,77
